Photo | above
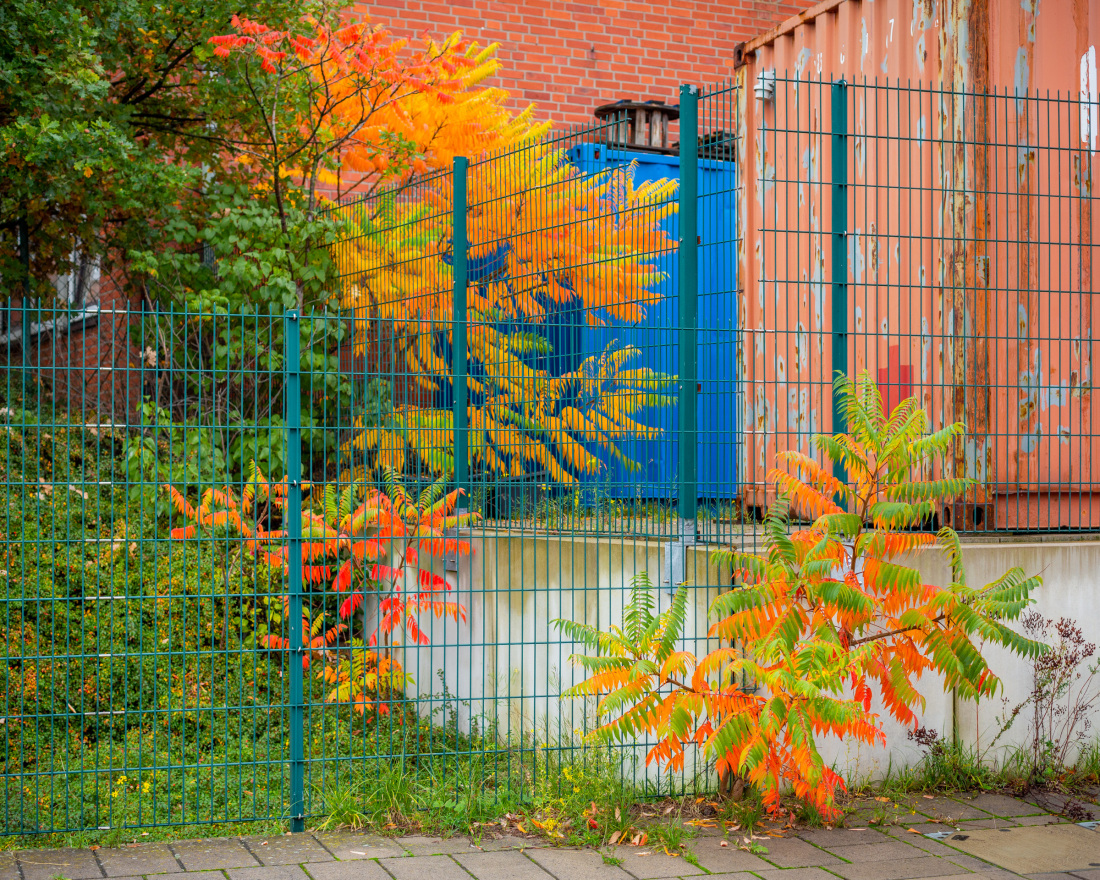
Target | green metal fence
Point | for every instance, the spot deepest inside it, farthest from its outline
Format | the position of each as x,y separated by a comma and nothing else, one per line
604,367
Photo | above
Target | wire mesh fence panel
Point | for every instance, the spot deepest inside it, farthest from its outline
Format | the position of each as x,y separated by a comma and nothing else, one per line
942,242
265,565
139,689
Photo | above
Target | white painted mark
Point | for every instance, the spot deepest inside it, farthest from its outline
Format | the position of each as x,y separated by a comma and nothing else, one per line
1090,101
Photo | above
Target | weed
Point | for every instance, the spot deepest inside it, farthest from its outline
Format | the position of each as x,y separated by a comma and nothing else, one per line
342,808
1087,766
1061,702
947,766
671,836
1075,811
609,859
809,815
746,812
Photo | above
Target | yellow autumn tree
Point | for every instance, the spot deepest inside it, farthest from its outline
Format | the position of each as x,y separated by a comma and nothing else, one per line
542,236
383,120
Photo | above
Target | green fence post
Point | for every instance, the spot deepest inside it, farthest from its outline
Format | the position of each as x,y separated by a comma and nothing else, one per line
840,254
687,401
25,327
459,244
293,390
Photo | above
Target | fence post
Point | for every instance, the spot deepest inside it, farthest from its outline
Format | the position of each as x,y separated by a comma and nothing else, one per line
687,492
840,254
293,390
25,318
459,244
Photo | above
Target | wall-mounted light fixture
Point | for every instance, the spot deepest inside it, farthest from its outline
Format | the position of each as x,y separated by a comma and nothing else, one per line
765,85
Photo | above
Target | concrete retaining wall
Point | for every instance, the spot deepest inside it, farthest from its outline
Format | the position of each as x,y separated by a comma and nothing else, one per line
507,664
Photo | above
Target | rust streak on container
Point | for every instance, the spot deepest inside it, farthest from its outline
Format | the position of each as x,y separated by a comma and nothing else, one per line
967,261
1084,244
991,290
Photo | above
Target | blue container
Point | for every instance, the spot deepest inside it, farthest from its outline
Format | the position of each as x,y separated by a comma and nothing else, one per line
656,336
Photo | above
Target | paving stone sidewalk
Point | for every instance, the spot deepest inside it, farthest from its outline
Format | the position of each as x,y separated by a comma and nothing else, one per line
989,837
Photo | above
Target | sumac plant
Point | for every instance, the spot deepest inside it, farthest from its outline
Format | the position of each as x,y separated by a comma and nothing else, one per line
356,541
831,617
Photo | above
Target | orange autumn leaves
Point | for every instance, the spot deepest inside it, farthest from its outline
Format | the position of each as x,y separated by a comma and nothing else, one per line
374,108
381,117
831,619
357,541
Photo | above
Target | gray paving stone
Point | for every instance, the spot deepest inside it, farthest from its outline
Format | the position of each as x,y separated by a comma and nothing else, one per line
1091,874
45,864
919,841
1041,819
425,868
875,852
646,863
507,842
420,845
729,859
197,875
154,858
744,875
287,849
945,809
351,845
994,822
9,870
970,863
790,852
1054,876
501,866
860,811
268,872
207,855
1001,805
966,876
571,864
834,837
1043,849
1054,802
797,874
357,870
935,848
897,869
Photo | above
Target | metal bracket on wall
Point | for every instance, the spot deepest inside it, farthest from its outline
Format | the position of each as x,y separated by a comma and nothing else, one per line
450,560
674,555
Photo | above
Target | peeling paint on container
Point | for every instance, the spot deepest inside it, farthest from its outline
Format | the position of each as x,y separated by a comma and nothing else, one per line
974,127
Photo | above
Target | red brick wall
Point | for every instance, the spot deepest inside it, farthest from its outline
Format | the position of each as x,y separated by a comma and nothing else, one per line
570,57
91,368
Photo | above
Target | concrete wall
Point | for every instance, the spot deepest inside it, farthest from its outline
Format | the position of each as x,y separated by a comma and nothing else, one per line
507,664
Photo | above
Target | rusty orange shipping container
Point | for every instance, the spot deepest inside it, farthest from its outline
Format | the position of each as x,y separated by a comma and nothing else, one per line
917,202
